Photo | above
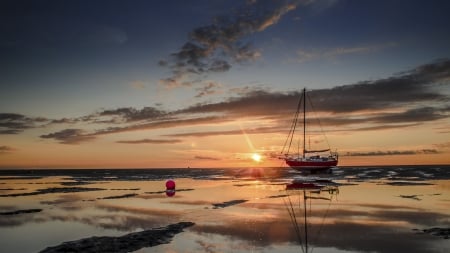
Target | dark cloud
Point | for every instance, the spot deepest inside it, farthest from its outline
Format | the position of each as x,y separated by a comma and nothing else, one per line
6,149
206,158
214,47
150,141
12,123
376,128
411,93
258,130
64,121
393,152
129,114
256,103
408,87
163,124
69,136
412,115
76,136
208,89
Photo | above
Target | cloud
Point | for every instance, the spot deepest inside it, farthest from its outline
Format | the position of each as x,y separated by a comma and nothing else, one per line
206,158
64,121
129,114
209,89
215,47
6,149
163,124
150,141
137,84
69,136
305,56
415,86
421,114
13,123
393,152
258,130
444,145
254,103
76,136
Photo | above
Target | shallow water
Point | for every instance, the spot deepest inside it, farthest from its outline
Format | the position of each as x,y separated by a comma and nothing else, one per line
377,209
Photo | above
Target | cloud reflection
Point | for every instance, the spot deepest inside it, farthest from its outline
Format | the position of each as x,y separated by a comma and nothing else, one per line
363,228
348,235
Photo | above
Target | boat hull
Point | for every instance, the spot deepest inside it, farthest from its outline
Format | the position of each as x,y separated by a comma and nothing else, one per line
311,165
303,185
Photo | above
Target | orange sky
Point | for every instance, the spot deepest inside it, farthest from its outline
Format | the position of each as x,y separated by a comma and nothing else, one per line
215,145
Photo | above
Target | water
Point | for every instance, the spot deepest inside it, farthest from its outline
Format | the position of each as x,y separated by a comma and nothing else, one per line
373,209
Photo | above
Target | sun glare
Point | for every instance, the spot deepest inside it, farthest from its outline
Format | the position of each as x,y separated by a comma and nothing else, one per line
256,157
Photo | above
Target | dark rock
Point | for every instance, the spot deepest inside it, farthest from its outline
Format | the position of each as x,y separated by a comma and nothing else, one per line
407,183
120,196
436,231
21,211
126,243
229,203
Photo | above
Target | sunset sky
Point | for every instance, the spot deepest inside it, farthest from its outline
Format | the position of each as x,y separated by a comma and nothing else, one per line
141,84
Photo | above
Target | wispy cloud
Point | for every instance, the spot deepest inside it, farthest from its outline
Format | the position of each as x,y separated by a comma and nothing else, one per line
6,149
332,53
259,130
444,145
219,45
137,84
129,114
13,123
209,89
207,158
393,152
150,141
69,136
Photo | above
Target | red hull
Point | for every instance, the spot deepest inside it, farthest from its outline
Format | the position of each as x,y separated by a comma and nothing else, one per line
296,186
311,165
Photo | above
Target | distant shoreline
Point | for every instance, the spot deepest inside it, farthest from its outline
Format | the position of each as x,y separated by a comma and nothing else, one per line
215,168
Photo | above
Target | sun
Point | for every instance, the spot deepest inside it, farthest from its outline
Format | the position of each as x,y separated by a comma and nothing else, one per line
256,157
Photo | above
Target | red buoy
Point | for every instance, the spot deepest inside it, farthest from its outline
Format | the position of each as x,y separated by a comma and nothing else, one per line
170,185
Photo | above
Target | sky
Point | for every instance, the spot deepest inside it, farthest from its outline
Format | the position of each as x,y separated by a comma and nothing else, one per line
142,84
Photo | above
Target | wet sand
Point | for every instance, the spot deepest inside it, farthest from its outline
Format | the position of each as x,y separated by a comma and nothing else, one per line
390,209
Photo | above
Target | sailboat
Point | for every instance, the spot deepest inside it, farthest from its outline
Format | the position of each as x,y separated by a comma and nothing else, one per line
308,160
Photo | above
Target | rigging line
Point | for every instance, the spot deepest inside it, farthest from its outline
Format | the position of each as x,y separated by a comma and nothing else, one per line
317,237
306,221
299,234
318,119
291,130
298,227
293,126
294,221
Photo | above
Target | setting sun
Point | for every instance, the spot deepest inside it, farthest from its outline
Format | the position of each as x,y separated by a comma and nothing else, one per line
256,157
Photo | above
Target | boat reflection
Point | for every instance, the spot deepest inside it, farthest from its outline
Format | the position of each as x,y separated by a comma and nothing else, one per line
306,190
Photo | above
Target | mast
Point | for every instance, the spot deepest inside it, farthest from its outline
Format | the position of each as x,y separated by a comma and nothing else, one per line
304,122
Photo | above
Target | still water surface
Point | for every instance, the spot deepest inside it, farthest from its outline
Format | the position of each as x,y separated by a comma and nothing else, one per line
234,210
